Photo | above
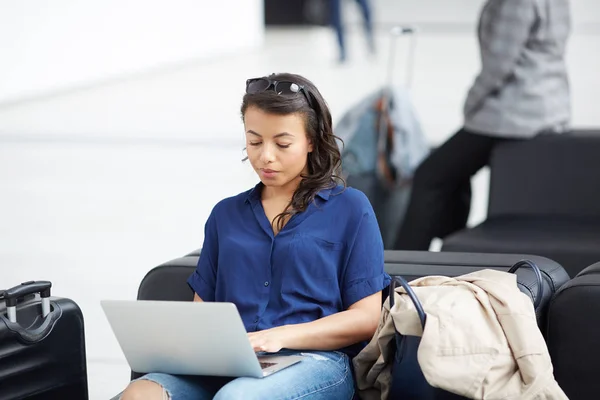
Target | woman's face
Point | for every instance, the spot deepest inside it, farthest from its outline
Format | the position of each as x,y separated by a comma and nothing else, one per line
277,146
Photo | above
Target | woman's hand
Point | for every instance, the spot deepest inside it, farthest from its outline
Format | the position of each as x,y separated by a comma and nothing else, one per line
270,340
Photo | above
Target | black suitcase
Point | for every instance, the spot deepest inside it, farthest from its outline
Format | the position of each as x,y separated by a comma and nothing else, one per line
42,345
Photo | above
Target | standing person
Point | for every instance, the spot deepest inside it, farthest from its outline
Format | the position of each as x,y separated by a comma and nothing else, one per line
521,91
335,10
300,255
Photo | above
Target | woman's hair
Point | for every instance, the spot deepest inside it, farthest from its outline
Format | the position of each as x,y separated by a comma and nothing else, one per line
324,162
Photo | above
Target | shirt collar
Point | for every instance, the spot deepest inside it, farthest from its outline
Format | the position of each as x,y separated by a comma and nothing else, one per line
254,193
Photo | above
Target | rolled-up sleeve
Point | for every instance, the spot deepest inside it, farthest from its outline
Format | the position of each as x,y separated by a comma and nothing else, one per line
364,274
204,279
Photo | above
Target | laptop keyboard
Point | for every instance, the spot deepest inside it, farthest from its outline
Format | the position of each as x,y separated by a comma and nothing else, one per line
264,365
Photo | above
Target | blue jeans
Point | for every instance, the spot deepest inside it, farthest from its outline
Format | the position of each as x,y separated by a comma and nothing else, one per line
320,375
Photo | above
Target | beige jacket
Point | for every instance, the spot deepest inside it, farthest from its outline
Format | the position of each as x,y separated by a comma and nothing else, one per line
481,340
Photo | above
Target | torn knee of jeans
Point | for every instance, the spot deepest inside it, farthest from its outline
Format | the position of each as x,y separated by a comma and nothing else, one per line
165,394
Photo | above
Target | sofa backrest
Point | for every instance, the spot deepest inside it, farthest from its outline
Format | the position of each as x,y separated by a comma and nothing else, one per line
169,280
550,175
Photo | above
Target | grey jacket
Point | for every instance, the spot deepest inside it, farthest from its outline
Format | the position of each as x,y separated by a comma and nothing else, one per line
523,88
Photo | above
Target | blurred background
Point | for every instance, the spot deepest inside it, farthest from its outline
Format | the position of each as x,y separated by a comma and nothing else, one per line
120,124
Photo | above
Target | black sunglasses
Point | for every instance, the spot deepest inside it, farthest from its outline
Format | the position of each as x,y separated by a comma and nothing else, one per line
286,88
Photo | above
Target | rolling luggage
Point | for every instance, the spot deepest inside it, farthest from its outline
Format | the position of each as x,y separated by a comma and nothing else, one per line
384,143
42,345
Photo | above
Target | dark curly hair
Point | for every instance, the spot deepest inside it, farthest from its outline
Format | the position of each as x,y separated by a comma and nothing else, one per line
324,162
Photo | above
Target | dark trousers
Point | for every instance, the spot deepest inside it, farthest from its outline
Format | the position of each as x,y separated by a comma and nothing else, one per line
335,10
441,198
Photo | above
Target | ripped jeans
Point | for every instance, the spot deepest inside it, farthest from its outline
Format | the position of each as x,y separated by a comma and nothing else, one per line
320,375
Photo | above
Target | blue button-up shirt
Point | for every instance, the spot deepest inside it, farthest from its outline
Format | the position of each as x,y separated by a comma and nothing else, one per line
323,260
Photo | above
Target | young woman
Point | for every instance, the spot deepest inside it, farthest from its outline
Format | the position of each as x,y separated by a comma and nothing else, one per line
300,255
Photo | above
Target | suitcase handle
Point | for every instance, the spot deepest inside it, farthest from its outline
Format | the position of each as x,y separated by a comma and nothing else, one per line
410,292
395,33
538,275
12,296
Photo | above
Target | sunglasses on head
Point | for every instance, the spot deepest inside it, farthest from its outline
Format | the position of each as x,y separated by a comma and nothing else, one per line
286,88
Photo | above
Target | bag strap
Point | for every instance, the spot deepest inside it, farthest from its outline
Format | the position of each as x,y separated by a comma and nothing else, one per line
538,275
421,312
400,280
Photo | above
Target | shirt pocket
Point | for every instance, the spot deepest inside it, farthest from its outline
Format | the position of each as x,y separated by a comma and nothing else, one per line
316,264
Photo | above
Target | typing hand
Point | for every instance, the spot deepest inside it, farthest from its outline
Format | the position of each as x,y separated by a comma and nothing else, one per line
269,340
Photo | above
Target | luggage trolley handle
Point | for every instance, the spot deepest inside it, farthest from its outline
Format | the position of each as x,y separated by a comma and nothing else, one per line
395,33
12,296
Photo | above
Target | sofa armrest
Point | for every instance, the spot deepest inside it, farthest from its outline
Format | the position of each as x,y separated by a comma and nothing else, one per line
573,332
168,281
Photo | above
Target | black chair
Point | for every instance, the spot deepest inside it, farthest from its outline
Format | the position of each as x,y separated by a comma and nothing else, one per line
168,281
544,199
573,332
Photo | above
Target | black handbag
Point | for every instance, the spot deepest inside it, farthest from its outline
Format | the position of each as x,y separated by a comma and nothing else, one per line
408,381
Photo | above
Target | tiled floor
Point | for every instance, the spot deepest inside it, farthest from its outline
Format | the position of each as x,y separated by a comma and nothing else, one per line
98,186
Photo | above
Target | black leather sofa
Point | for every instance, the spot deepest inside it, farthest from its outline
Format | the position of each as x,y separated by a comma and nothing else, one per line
570,319
543,199
573,334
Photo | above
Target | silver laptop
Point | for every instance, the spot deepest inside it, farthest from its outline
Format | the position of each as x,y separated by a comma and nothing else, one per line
188,338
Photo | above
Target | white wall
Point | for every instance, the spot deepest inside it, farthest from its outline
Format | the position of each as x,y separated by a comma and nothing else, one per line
49,46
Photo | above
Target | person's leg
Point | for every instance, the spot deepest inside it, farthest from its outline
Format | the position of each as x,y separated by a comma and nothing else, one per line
436,181
365,8
335,15
320,376
158,386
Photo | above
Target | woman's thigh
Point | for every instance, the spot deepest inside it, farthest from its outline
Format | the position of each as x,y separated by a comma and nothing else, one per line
320,375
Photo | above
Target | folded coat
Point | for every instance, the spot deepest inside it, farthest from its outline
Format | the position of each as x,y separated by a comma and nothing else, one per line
481,340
